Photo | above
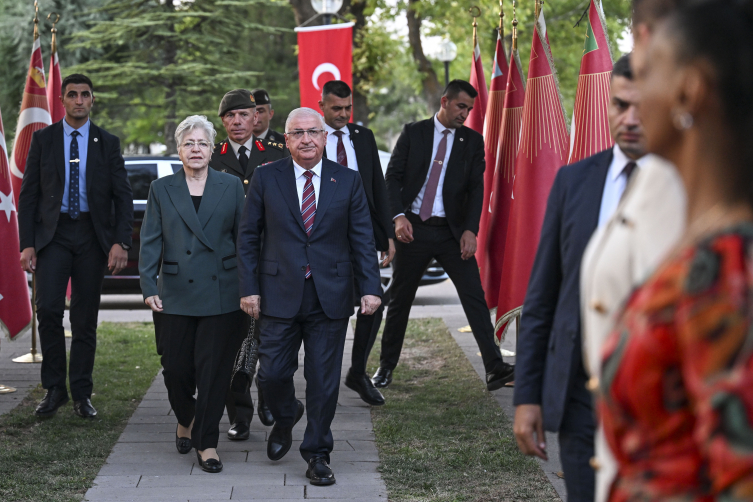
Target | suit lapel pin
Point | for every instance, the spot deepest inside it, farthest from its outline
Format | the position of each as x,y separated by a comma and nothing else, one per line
333,180
96,139
357,131
461,139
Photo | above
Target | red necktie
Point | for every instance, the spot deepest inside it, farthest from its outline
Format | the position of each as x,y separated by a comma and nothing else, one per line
308,209
427,204
342,157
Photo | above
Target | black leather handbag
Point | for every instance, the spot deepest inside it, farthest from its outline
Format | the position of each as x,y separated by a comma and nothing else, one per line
248,355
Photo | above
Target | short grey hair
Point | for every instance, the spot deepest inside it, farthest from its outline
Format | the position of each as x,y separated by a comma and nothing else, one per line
303,112
195,122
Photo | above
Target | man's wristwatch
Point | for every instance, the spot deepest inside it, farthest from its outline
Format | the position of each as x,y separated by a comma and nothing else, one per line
125,246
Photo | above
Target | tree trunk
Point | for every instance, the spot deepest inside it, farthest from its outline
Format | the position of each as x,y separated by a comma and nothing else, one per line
170,52
430,83
361,110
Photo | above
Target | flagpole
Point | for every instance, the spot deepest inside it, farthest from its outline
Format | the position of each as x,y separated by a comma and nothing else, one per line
54,30
514,29
33,356
501,22
475,14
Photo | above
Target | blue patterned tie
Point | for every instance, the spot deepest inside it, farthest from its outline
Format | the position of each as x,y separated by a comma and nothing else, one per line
73,192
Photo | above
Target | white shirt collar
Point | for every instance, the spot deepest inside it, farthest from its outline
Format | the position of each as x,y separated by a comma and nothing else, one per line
620,160
83,130
331,130
317,169
439,127
264,134
236,146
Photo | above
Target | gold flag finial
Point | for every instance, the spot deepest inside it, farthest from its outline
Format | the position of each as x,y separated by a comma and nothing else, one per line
514,28
36,20
475,12
501,21
537,11
54,30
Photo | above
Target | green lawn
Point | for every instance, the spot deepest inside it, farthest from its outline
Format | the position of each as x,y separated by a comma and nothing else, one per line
441,436
57,459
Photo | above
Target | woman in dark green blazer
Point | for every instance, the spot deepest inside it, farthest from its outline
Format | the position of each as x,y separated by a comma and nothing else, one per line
189,279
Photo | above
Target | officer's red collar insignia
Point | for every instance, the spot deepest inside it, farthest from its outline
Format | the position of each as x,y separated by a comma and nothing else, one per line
260,145
224,149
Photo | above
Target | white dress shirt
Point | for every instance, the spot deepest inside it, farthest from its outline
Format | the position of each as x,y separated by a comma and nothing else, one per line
350,152
438,208
263,135
300,181
237,146
616,182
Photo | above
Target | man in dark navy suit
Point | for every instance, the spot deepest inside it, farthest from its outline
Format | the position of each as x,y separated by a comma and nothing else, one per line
550,379
305,235
75,217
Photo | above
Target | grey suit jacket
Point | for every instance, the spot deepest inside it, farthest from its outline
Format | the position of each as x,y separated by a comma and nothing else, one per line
194,253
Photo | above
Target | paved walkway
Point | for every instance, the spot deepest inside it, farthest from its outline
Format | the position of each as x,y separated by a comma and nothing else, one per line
145,466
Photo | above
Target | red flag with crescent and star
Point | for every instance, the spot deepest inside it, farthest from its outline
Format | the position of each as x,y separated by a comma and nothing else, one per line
34,115
15,305
492,127
324,53
504,171
544,148
590,126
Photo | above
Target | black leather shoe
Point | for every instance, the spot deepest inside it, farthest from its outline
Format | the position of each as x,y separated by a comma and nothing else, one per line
503,374
210,465
265,416
84,408
182,444
281,438
239,431
365,388
319,472
54,399
382,378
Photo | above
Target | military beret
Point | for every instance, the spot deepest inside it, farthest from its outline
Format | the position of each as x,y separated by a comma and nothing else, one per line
236,99
261,96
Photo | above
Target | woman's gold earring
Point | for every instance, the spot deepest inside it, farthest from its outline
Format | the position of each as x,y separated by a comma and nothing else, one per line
682,120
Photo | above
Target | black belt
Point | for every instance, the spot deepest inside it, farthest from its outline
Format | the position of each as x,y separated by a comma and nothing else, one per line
434,221
81,216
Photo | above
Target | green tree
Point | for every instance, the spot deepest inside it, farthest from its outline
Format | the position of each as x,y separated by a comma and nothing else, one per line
168,59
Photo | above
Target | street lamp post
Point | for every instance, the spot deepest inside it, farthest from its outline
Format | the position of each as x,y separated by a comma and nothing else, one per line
327,8
447,53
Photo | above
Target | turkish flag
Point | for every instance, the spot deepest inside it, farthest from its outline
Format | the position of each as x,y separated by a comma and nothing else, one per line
34,115
477,114
324,53
15,306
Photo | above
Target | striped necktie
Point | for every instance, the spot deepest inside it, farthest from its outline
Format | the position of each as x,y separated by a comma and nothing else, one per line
308,209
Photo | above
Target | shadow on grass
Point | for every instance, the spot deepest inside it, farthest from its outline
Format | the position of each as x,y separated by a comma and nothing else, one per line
57,459
441,436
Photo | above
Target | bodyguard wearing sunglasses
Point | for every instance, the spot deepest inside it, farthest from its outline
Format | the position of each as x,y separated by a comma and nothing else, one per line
305,235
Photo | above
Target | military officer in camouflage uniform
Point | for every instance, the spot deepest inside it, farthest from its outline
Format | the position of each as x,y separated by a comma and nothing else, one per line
235,155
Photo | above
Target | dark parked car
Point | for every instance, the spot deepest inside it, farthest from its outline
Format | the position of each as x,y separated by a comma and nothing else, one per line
143,170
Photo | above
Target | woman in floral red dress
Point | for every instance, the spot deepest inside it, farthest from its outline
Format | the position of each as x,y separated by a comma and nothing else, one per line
676,395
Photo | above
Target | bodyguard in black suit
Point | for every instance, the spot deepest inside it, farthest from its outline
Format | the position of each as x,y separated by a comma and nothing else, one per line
550,379
239,155
435,181
75,215
304,236
354,147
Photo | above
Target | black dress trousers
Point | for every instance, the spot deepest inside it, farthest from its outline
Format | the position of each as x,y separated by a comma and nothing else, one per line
197,357
323,340
411,260
74,253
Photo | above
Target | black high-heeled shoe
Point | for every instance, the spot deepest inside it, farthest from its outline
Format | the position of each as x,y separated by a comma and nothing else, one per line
210,465
182,444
